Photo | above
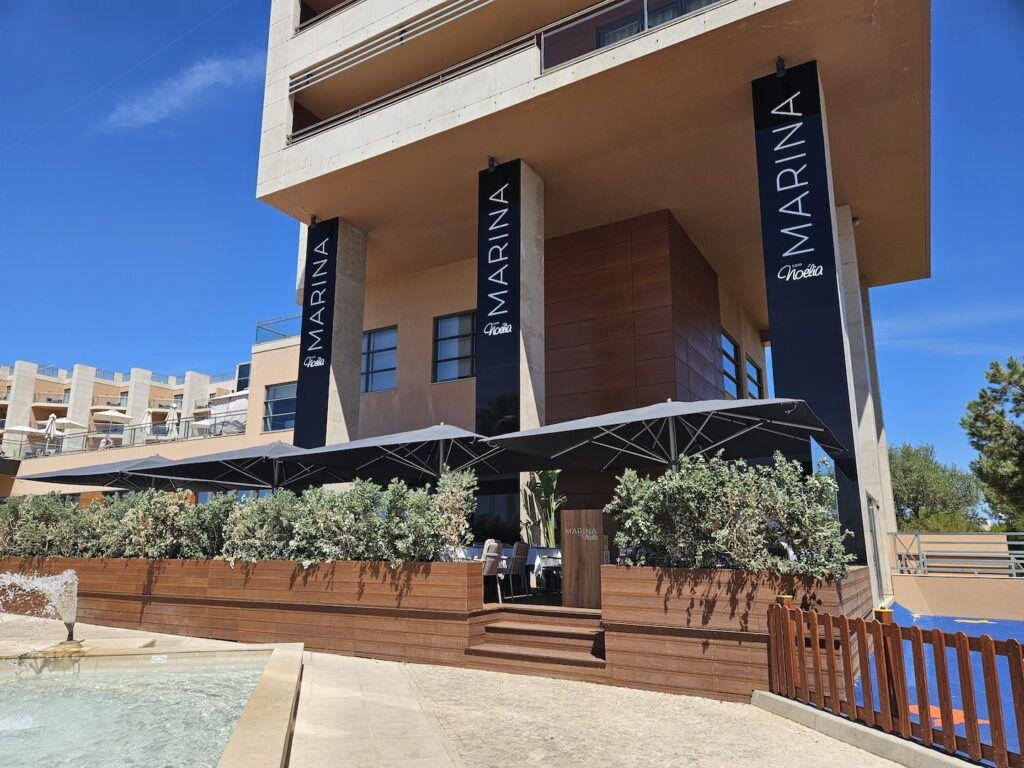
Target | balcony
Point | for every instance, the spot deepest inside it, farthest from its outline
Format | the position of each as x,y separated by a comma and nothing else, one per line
108,375
432,49
313,11
51,398
112,436
165,403
110,401
278,328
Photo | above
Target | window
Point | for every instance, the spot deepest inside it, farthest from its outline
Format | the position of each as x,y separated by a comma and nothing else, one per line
279,407
730,365
242,376
664,12
380,350
619,30
455,347
755,380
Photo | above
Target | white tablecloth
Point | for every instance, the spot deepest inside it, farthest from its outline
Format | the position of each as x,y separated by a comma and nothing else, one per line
537,560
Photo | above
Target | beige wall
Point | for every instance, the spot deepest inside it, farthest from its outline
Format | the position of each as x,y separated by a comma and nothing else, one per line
981,597
411,302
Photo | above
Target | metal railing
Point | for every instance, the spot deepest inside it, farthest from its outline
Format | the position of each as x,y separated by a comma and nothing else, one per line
278,328
114,436
111,401
48,370
56,398
975,554
166,402
602,25
163,378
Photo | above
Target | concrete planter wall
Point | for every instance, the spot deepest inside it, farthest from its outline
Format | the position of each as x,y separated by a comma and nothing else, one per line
704,632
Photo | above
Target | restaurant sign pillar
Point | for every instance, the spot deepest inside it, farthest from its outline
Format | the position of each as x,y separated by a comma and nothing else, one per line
810,347
333,293
510,300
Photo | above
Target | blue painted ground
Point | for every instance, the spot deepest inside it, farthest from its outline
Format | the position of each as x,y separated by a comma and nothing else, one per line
996,629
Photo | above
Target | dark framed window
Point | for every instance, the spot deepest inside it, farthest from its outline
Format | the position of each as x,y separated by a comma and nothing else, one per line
755,380
665,12
242,376
619,30
279,407
379,360
730,365
455,347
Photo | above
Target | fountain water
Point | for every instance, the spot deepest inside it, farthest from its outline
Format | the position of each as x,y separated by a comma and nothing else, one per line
59,593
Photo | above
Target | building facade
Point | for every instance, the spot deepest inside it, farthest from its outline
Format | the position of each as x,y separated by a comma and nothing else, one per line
640,209
513,213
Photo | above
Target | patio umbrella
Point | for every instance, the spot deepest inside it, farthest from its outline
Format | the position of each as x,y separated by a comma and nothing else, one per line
66,423
24,430
50,431
172,423
111,475
657,435
259,466
112,417
415,455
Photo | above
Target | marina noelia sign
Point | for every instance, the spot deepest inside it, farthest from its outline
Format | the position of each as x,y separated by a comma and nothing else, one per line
809,358
498,267
316,336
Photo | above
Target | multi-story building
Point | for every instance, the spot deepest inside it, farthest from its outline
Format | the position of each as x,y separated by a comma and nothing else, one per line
630,147
519,212
54,418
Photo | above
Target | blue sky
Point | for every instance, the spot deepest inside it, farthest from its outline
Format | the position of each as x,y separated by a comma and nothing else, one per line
129,145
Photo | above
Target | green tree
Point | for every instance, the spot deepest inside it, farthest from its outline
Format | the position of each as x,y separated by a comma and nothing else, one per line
930,495
995,427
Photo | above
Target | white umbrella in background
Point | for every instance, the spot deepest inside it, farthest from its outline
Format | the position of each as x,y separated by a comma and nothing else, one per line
172,423
24,431
50,431
65,423
112,417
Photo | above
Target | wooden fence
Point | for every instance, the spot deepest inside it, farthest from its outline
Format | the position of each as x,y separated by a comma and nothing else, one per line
904,680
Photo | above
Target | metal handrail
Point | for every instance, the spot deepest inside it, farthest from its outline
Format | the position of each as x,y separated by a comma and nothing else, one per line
1001,555
419,86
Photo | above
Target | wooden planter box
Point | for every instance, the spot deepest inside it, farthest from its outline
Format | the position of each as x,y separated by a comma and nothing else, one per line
704,632
418,612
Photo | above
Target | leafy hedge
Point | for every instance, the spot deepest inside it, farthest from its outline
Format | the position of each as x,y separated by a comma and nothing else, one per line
718,514
367,522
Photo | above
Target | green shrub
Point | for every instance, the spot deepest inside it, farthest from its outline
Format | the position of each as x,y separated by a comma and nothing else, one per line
260,528
324,529
718,514
454,502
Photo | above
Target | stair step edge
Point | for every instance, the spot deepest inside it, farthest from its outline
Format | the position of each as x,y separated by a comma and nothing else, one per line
575,658
557,630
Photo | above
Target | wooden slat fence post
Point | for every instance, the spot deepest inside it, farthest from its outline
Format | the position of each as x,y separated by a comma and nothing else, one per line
849,686
942,683
924,710
830,663
815,644
963,663
1015,657
993,702
865,670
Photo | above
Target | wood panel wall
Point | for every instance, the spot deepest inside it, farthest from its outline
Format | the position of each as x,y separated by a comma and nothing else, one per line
704,632
418,612
632,318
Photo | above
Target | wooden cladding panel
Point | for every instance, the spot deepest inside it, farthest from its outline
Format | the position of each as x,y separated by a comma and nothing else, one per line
628,305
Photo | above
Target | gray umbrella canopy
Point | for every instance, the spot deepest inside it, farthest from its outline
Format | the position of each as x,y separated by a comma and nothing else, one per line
657,434
417,455
275,465
118,474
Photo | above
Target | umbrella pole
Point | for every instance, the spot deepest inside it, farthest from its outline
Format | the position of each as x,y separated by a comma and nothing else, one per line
673,447
440,458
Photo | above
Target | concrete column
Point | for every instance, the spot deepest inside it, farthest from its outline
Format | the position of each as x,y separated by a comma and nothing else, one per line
138,401
868,451
19,406
531,301
197,387
888,504
83,381
346,346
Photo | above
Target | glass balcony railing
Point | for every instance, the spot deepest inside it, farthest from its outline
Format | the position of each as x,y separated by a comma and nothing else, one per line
610,24
165,403
54,398
278,328
109,436
108,375
111,401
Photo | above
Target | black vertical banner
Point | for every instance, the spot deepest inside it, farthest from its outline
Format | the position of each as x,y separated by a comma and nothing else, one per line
804,311
497,299
314,378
